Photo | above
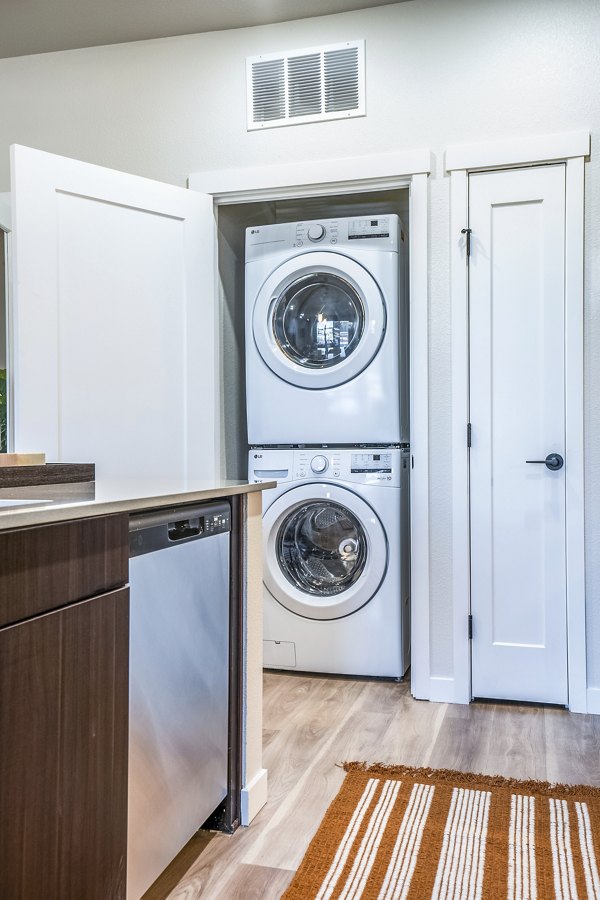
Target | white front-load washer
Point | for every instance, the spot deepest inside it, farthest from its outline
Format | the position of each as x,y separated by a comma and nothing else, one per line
336,559
327,332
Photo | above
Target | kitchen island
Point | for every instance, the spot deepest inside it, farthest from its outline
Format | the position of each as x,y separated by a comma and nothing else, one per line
64,657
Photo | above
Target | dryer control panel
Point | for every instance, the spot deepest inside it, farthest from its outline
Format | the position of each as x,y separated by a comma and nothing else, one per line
367,229
376,232
361,466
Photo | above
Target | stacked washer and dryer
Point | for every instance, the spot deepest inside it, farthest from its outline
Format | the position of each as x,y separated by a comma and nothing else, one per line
327,406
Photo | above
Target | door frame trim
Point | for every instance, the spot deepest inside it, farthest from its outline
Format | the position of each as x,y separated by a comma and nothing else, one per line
460,162
6,236
391,171
530,150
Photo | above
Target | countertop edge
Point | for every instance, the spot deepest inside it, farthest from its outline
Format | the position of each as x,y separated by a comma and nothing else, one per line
13,518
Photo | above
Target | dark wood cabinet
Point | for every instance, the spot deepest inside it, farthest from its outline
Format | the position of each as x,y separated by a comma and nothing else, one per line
49,566
64,717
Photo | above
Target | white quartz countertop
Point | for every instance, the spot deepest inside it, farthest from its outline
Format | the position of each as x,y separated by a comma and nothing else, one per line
21,507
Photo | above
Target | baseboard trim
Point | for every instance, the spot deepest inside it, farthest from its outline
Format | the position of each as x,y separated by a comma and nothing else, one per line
593,701
441,690
254,796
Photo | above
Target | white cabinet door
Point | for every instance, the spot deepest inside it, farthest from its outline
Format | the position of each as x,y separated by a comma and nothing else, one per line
517,396
114,320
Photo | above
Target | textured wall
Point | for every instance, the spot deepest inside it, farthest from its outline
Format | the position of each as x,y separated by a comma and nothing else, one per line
438,72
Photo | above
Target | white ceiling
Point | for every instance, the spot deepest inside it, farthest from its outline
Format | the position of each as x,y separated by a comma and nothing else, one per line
40,26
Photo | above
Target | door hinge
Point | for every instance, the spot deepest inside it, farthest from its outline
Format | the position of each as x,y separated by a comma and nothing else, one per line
468,434
470,628
467,231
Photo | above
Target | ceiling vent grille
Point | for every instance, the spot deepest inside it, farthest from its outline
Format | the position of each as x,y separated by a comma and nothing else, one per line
306,85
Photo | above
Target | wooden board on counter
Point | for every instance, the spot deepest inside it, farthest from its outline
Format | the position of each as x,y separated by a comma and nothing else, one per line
22,459
50,473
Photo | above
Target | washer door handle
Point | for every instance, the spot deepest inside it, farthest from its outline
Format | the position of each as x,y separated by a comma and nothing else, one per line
553,461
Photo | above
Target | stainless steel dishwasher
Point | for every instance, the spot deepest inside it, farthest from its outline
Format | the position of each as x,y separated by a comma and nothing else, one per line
178,681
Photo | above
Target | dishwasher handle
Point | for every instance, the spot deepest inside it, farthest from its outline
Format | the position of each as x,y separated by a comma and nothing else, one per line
185,528
163,528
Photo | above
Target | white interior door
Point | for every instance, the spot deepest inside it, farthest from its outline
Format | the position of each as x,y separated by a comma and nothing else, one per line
517,411
113,315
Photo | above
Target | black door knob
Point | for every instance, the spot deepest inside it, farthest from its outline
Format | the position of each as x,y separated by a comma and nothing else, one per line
553,461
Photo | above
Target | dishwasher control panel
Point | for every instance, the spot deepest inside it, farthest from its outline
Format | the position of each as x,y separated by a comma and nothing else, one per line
163,528
216,523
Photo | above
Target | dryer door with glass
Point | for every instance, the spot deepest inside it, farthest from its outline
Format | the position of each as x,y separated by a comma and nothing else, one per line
325,551
319,319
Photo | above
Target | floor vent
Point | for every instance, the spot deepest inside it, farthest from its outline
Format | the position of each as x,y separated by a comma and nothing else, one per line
306,85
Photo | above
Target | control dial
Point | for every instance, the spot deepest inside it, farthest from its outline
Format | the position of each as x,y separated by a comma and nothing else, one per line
316,233
319,464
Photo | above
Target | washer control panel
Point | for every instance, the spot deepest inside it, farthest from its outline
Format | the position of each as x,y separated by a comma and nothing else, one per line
308,463
368,466
360,466
363,463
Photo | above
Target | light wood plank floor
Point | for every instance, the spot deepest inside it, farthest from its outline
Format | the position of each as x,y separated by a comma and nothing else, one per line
314,723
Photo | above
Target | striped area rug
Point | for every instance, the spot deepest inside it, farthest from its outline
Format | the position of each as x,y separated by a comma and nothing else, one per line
398,833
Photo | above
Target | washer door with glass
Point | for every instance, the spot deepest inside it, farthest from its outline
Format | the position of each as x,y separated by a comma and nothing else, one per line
325,551
319,320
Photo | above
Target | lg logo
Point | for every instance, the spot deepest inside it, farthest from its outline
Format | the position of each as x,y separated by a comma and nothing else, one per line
255,231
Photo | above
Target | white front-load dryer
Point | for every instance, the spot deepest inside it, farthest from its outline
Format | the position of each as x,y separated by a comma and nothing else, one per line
336,550
326,332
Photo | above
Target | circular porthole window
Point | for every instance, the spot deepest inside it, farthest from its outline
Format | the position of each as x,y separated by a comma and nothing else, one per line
319,320
318,545
322,548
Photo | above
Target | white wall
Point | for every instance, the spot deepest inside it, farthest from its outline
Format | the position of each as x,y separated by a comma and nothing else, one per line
2,300
438,72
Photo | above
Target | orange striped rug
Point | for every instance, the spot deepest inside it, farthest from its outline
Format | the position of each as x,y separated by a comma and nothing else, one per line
399,833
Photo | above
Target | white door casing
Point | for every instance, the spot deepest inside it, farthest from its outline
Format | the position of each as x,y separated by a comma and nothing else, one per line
6,237
349,175
113,326
323,177
572,148
517,411
372,172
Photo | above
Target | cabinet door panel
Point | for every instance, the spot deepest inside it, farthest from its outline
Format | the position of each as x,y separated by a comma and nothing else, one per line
47,567
63,752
